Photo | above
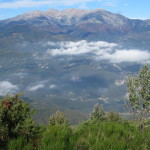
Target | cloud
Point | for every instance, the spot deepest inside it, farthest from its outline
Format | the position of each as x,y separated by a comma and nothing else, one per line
40,85
41,3
80,47
83,6
7,87
126,56
52,86
140,18
99,50
36,87
110,4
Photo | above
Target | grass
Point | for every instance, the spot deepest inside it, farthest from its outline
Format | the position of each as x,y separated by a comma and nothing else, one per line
87,136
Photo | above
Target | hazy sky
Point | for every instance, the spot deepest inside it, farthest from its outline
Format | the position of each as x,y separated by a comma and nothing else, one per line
129,8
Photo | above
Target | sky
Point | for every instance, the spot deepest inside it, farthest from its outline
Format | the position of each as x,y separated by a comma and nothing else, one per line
130,8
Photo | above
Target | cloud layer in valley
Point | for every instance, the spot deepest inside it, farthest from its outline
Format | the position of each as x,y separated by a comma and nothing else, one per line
100,50
7,87
36,87
39,85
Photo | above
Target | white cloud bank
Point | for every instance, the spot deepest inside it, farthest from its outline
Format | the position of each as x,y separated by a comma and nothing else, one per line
126,56
100,50
7,87
80,47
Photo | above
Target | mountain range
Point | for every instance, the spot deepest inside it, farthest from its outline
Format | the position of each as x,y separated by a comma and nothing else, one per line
75,24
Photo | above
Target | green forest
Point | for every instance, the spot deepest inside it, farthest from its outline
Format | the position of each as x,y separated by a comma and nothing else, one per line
102,131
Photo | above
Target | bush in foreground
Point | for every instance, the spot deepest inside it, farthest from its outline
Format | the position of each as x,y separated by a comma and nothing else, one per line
16,120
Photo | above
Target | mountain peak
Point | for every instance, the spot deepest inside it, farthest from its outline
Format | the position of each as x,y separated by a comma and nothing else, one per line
52,11
67,12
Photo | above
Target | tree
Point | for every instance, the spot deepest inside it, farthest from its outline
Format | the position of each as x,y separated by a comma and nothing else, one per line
139,93
58,119
16,119
98,113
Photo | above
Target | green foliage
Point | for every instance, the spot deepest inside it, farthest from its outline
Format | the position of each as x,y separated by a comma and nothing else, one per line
20,143
56,137
112,135
113,116
139,93
107,135
82,144
103,131
98,114
3,133
58,119
16,120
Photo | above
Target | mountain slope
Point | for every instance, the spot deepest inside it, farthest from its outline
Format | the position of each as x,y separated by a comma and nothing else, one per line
72,24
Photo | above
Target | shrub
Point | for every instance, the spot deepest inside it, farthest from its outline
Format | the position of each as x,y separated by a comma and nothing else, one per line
16,120
113,116
20,143
112,135
58,119
98,115
56,138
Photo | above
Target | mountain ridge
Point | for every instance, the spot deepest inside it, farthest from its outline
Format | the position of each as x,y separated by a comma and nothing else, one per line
55,13
74,24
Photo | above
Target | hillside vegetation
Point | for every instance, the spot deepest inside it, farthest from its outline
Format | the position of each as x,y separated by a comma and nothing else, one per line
103,130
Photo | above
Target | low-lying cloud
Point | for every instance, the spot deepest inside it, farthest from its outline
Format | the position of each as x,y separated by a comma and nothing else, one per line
52,86
101,51
126,56
80,47
36,87
7,87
